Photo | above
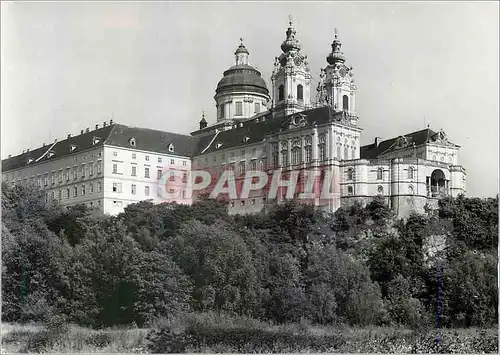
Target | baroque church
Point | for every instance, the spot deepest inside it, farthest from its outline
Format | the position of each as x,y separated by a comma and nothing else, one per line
284,129
294,130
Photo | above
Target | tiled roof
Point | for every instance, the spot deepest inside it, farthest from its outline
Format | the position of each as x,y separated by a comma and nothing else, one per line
151,140
115,135
61,148
372,151
254,131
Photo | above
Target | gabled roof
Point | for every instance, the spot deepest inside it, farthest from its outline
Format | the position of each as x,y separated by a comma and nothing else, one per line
151,140
372,151
256,129
61,148
115,135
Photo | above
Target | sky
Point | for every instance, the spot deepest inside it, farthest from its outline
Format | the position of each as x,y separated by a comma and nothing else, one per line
67,66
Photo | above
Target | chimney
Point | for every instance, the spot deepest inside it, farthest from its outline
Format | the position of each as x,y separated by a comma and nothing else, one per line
42,146
87,130
110,122
81,132
69,135
377,141
104,124
10,155
96,127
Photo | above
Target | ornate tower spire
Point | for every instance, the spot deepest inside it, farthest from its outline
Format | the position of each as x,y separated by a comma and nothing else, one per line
291,76
290,44
241,54
338,90
336,56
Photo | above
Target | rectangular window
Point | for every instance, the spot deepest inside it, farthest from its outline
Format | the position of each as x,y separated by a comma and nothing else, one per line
75,191
184,163
99,186
146,190
221,110
322,152
253,165
75,173
275,160
172,161
83,170
45,180
115,153
83,189
134,171
257,107
67,174
284,158
91,187
184,177
133,189
159,160
60,176
53,178
98,167
146,173
115,168
117,187
147,157
308,152
159,174
239,109
171,176
91,169
133,156
243,168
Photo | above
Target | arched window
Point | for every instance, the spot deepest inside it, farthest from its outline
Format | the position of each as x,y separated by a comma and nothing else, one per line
350,190
281,93
300,92
296,158
380,190
411,172
338,152
346,152
350,174
345,102
380,174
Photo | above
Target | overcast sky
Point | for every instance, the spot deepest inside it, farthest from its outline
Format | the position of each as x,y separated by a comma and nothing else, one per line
69,66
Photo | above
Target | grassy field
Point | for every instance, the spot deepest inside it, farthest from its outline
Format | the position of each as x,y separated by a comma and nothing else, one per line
247,337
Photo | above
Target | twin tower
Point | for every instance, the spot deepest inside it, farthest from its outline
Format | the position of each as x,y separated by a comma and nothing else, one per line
242,92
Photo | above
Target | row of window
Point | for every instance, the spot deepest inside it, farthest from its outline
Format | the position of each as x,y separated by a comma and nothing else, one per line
380,190
46,179
239,109
281,92
380,173
147,157
75,191
147,175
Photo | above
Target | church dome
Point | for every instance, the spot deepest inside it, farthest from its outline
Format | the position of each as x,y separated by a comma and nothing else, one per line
242,77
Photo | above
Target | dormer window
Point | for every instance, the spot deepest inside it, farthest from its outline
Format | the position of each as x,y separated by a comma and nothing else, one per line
171,147
246,139
50,154
30,160
218,145
72,147
132,141
95,140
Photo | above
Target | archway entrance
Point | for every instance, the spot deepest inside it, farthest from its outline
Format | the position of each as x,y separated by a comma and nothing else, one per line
437,185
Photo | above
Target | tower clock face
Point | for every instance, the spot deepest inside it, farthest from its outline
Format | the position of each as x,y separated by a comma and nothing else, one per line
298,61
342,72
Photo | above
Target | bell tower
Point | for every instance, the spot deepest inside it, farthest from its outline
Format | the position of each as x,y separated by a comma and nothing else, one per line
336,87
291,77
